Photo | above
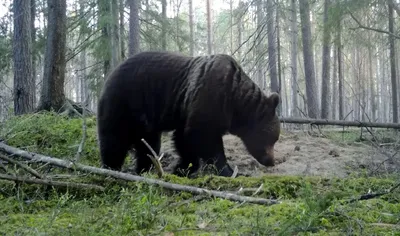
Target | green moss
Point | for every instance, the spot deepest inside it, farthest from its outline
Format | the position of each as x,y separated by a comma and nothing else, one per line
51,134
310,205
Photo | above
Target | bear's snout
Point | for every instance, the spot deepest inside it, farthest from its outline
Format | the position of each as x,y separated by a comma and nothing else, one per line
267,159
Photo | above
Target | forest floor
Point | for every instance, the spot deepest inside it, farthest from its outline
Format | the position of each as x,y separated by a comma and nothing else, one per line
324,181
300,154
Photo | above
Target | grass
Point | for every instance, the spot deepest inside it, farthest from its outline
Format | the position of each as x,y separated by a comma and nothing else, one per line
310,205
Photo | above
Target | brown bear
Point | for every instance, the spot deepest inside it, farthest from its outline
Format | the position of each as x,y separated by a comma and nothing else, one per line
199,98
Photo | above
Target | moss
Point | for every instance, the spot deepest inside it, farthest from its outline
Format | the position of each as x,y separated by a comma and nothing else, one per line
51,134
310,205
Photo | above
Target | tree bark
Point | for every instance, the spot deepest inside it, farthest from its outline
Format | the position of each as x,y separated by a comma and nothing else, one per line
52,95
164,25
122,28
393,63
115,44
334,85
311,86
240,29
22,58
84,93
259,47
372,86
279,63
105,25
209,30
134,27
191,39
293,59
340,70
272,47
33,33
325,88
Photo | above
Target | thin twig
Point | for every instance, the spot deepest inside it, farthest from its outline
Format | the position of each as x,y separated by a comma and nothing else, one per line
129,177
372,29
84,131
155,159
25,167
235,172
51,183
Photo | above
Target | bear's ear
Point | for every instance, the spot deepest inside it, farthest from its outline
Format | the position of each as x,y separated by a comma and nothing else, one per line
274,100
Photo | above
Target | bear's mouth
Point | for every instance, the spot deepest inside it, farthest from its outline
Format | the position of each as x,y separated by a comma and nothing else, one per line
266,160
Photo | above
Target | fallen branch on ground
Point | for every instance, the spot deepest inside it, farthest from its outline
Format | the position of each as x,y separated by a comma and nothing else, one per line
51,183
374,195
129,177
339,122
25,167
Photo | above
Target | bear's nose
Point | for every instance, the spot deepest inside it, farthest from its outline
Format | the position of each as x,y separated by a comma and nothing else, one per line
268,158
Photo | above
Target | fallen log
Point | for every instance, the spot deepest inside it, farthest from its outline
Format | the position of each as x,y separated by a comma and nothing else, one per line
339,123
49,182
129,177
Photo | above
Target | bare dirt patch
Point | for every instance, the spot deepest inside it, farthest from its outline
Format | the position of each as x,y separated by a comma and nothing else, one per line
300,154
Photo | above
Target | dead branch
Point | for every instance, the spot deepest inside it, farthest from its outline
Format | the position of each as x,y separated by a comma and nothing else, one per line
235,172
51,183
372,29
374,195
155,159
25,167
339,123
385,225
129,177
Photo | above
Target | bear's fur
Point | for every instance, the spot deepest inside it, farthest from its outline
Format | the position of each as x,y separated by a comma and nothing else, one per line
200,98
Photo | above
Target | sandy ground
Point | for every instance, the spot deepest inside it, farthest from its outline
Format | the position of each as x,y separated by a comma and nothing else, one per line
301,154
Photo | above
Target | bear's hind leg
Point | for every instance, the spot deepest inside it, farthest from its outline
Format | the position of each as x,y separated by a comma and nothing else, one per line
143,162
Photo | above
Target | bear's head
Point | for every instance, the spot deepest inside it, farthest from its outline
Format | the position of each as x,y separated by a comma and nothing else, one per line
262,135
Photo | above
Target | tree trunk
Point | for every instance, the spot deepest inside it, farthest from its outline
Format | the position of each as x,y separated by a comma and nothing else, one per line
24,83
278,51
191,39
52,95
33,33
293,57
134,27
105,25
311,86
178,27
240,30
393,64
379,84
334,85
384,93
84,93
164,25
372,86
115,44
122,28
325,80
209,30
272,47
259,47
340,70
